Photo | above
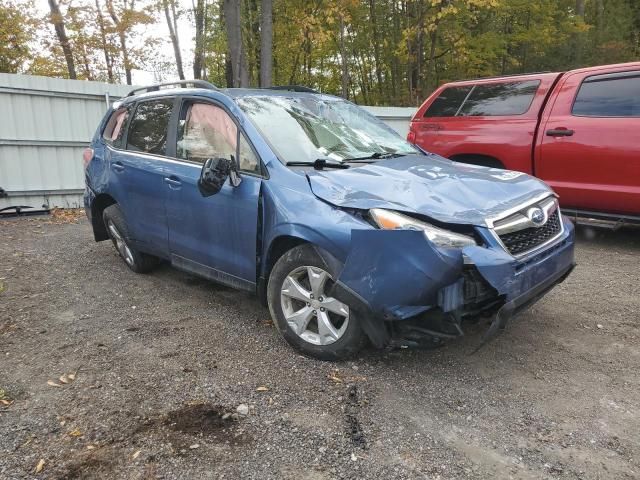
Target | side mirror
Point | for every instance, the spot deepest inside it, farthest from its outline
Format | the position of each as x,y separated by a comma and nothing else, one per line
215,172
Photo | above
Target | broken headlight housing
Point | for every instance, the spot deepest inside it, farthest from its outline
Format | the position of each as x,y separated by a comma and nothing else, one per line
390,220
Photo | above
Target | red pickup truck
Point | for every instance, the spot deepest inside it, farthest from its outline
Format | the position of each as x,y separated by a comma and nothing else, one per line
579,131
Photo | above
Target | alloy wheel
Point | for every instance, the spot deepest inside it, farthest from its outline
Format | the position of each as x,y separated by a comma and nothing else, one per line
313,315
120,243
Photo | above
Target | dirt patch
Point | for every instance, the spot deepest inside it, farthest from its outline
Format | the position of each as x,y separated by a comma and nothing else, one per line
66,215
201,419
89,465
351,412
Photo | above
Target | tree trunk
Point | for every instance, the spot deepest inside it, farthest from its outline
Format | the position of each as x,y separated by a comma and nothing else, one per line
170,15
376,45
343,58
122,37
61,33
234,39
198,53
266,43
103,39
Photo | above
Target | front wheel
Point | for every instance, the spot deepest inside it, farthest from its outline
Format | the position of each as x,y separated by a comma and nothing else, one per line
310,320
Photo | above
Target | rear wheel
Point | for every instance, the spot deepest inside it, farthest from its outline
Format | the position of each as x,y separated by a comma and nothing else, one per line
481,160
308,318
117,229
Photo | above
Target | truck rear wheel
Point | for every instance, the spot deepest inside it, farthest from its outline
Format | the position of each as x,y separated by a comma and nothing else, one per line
481,160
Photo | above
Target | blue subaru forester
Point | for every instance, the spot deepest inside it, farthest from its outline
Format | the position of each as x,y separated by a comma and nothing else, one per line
346,231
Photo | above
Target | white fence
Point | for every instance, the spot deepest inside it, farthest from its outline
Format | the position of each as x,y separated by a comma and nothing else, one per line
45,123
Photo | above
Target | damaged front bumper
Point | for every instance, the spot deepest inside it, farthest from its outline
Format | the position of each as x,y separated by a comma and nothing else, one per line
397,282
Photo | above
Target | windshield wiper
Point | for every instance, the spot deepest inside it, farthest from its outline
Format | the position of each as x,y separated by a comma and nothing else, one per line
318,164
374,156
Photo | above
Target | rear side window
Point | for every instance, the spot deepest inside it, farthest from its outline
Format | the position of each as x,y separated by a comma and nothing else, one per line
495,99
611,95
114,130
448,102
149,126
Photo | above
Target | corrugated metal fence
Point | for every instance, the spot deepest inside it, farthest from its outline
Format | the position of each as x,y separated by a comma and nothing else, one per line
45,123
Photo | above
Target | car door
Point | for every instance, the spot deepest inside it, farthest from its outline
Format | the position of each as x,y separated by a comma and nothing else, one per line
137,172
588,148
214,236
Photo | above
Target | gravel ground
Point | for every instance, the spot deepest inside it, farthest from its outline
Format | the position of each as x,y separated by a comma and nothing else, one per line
169,376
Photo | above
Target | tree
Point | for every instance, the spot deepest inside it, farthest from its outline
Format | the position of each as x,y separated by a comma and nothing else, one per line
199,11
17,30
239,71
266,43
169,7
57,20
106,50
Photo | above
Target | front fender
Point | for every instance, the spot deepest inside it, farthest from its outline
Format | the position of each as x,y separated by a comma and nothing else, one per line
397,273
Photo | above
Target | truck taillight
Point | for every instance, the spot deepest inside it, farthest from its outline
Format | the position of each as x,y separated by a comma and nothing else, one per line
411,136
87,156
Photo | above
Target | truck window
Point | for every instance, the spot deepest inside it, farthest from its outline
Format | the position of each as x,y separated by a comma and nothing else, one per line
610,95
148,128
494,99
448,102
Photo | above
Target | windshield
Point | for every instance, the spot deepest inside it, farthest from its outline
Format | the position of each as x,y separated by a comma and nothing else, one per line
306,128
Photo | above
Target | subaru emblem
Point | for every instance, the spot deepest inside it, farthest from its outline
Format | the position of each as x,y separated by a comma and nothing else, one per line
536,216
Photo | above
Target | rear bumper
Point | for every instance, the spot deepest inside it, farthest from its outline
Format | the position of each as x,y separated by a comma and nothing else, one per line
398,275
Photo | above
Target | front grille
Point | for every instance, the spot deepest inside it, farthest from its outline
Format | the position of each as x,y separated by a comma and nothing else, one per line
529,238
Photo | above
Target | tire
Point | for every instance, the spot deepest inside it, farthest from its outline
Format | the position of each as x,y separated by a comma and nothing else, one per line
479,160
119,234
311,322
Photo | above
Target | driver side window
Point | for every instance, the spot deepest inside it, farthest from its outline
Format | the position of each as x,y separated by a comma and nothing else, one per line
207,131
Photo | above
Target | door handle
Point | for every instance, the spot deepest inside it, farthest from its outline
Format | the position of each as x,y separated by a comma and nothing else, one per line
559,132
172,181
117,166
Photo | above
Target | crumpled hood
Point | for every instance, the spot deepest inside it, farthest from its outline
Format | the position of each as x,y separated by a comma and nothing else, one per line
430,185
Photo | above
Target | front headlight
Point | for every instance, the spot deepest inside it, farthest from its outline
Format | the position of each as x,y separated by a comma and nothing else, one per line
389,220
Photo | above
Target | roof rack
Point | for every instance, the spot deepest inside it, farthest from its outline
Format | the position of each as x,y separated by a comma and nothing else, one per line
181,83
292,88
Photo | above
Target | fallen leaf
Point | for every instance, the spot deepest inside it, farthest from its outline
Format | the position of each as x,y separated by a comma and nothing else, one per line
75,433
53,384
6,402
40,465
262,389
90,447
136,455
63,379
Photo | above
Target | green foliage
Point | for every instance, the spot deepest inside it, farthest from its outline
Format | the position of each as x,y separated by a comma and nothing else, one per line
396,51
17,30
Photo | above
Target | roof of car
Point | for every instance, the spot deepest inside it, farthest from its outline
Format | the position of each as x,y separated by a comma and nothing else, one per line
201,87
266,92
